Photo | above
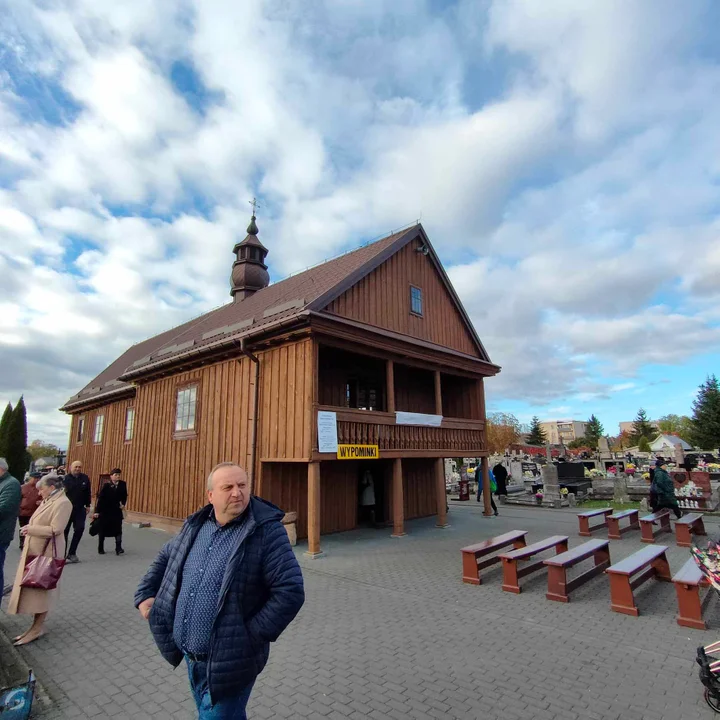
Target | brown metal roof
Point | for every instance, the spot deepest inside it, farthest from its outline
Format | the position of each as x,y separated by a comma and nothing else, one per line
281,301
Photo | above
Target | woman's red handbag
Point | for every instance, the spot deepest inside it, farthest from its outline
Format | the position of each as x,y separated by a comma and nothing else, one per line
42,572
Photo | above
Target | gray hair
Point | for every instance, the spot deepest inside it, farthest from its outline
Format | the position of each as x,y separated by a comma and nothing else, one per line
3,464
218,467
51,480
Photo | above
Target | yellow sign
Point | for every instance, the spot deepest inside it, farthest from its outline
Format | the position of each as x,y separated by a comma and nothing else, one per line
358,452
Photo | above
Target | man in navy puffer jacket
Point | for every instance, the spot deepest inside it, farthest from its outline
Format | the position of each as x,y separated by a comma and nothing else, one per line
221,591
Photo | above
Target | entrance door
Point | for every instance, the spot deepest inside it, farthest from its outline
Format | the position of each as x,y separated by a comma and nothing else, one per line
375,472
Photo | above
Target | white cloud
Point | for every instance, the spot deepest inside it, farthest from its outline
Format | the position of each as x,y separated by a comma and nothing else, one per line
576,204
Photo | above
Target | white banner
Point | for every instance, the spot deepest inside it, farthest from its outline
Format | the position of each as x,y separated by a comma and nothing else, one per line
409,418
327,432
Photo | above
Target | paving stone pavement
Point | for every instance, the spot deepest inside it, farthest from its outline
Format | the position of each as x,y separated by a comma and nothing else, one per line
390,631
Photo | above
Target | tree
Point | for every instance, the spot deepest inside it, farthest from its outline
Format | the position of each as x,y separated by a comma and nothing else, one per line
642,427
536,436
16,453
578,443
503,429
680,425
621,442
593,431
40,448
4,426
706,415
644,445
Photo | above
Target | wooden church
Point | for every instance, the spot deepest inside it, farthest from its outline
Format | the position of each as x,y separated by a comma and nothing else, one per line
375,344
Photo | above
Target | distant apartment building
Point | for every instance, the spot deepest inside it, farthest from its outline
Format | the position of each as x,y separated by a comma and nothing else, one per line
628,427
563,431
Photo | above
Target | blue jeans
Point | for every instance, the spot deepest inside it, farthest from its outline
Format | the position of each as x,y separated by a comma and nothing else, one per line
227,709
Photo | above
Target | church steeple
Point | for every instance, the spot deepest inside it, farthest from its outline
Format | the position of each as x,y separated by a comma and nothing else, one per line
249,271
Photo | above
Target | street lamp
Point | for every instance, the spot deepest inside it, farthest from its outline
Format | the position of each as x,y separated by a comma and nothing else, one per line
60,458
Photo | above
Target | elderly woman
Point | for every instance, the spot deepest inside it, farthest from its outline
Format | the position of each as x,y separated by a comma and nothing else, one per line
47,522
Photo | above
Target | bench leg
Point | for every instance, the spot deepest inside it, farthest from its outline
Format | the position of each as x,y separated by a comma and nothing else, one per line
699,527
557,581
662,568
665,524
621,595
646,532
584,526
689,606
511,582
470,570
519,543
602,557
682,535
613,528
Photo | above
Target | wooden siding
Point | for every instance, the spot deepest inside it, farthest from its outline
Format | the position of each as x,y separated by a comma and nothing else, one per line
286,399
382,299
461,397
285,485
100,458
166,474
420,498
414,390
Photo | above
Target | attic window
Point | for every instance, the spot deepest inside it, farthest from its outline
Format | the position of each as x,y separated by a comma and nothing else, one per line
416,300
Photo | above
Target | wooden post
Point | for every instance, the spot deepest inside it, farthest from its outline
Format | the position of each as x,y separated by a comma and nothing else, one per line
390,383
313,550
485,468
441,495
398,502
438,394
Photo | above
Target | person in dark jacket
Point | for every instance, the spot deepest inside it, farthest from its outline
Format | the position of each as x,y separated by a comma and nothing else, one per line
77,491
664,489
10,497
221,591
109,506
501,475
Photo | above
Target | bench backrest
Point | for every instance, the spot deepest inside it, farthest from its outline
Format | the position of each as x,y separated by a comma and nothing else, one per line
689,573
688,519
581,551
638,560
499,541
537,547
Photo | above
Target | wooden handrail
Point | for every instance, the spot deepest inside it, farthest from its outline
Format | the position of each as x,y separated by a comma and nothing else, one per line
378,417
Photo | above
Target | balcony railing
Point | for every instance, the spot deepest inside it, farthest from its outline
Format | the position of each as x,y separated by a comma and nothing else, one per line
362,427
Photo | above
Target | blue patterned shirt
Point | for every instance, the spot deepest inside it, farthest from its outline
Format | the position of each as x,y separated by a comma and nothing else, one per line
202,577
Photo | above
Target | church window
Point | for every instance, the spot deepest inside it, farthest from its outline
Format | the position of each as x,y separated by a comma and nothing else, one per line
186,411
416,300
99,428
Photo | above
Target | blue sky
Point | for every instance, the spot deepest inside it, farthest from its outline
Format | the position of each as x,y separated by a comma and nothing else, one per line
563,156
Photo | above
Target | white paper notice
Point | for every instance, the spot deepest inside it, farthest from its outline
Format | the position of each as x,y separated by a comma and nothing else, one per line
408,418
327,432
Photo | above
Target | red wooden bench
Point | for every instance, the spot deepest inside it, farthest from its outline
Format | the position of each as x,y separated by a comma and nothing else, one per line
686,526
613,522
474,553
633,571
648,533
688,581
584,519
512,573
559,588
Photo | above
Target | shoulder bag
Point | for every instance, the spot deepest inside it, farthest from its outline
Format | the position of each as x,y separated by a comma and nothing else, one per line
42,572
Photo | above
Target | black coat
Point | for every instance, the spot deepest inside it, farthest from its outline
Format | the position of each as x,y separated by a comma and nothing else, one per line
501,475
108,507
77,490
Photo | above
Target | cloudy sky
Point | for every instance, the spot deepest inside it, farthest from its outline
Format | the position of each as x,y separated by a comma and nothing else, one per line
563,156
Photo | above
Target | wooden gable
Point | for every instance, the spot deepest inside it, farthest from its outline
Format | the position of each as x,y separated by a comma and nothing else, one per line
382,298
